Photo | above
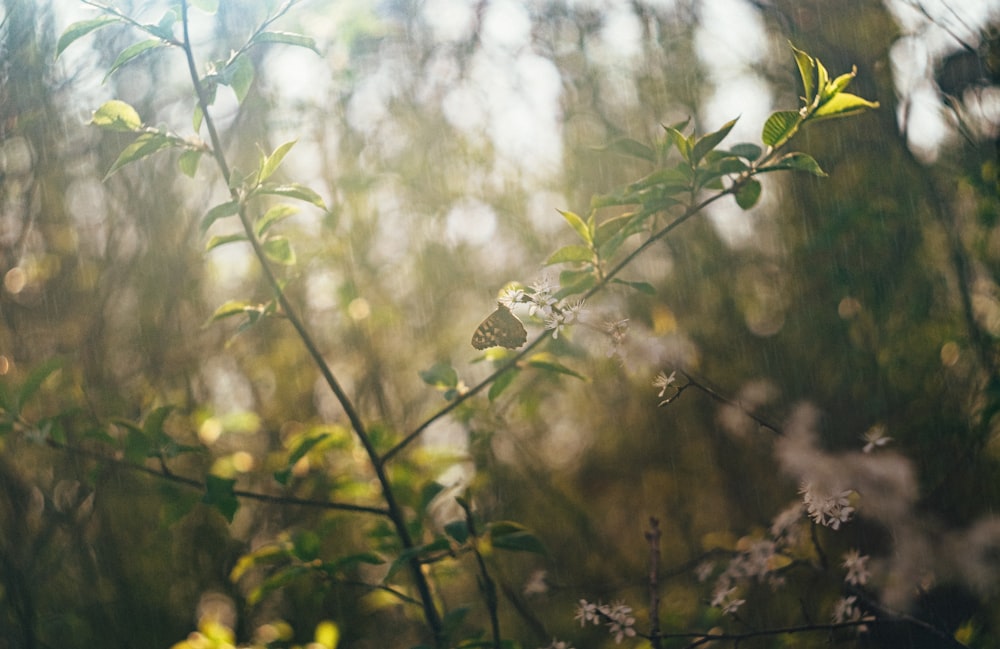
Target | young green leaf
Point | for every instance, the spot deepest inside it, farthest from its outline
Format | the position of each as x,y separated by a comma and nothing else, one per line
279,250
80,29
287,38
273,161
293,190
219,493
34,380
642,287
440,375
709,141
577,224
842,105
229,208
631,148
274,216
502,382
239,76
796,162
220,240
570,254
807,66
547,362
747,151
133,52
508,535
144,146
116,115
188,162
748,194
780,126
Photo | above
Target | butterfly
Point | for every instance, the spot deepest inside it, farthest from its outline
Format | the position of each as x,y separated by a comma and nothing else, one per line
500,329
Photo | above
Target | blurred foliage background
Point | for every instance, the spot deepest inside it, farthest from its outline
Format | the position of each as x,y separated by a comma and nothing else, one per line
445,134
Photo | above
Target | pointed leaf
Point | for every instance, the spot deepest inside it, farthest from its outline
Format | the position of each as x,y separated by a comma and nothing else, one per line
229,309
80,29
220,240
709,141
570,254
294,190
747,151
502,382
228,208
116,115
577,224
132,52
239,76
508,535
279,250
273,216
440,375
780,126
642,287
629,147
840,83
806,65
842,105
548,363
188,162
219,493
144,146
274,160
287,38
796,162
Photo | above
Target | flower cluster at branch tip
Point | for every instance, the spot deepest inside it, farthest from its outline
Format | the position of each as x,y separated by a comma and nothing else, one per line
543,304
857,568
617,331
874,438
727,600
846,610
617,616
829,510
664,382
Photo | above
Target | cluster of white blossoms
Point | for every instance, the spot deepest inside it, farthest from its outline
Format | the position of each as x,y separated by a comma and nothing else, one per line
617,616
541,301
829,510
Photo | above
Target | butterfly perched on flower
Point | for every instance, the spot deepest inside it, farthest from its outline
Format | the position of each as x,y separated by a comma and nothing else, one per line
500,329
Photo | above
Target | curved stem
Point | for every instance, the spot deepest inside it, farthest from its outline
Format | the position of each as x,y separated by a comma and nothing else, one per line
395,512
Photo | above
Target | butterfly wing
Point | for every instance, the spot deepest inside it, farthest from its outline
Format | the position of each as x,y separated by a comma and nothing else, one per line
500,329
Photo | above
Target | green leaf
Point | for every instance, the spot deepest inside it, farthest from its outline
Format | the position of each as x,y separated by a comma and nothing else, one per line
570,254
287,38
458,530
210,7
709,141
748,194
806,65
219,493
279,250
306,545
299,451
265,554
133,52
746,151
188,162
273,161
680,141
842,105
137,446
574,283
229,309
273,216
144,146
642,287
796,162
441,375
838,85
239,76
508,535
219,240
223,210
33,382
153,425
502,382
293,190
577,224
453,619
631,148
116,115
547,362
780,126
80,29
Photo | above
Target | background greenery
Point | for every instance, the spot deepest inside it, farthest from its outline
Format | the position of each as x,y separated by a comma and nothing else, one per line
871,294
